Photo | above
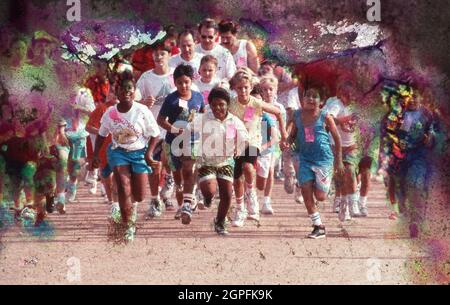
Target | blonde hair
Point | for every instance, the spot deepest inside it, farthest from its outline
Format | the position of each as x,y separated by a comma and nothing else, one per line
241,74
269,79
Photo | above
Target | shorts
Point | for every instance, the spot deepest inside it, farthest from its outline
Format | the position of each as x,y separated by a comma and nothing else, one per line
365,163
264,163
176,162
20,172
106,171
351,157
321,175
213,172
134,158
250,156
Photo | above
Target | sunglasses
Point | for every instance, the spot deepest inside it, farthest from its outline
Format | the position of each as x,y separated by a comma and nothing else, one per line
209,37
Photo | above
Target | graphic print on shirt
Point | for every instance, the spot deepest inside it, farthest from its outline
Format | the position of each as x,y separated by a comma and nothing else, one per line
124,132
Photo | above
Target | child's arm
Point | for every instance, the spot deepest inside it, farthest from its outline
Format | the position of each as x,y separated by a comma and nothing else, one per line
339,165
162,121
149,153
276,111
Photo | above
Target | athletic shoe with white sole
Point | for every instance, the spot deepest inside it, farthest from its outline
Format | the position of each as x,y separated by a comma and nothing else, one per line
317,232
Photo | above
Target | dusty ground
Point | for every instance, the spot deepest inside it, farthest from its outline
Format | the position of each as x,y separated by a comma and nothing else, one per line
364,251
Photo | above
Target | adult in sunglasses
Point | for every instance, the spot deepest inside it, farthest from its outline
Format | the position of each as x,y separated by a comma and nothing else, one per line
208,33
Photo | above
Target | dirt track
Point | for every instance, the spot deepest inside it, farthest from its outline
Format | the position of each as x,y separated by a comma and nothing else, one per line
364,251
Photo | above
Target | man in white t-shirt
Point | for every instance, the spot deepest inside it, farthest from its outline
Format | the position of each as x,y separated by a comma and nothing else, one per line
208,46
243,51
188,54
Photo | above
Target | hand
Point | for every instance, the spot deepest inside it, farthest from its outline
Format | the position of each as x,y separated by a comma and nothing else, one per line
284,145
150,162
96,162
150,101
339,169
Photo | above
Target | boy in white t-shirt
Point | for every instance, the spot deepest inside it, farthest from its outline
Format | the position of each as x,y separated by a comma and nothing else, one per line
154,86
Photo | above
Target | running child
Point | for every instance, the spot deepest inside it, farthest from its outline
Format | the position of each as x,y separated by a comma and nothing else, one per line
249,110
222,136
178,110
310,127
134,136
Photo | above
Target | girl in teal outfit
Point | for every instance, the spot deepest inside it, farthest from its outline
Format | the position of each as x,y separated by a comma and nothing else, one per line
309,128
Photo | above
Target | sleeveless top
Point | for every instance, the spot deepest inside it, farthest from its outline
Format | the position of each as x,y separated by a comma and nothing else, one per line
313,141
240,57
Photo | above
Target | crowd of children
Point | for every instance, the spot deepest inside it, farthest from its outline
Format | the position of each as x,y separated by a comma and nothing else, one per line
207,120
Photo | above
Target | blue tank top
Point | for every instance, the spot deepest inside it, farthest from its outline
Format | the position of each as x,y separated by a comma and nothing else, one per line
313,141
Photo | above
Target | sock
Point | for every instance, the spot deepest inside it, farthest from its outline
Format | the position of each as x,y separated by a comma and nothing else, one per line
188,198
351,198
267,200
249,186
337,198
316,219
240,203
363,200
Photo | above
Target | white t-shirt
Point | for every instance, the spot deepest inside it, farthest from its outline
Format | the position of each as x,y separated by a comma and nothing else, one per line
158,86
175,60
336,109
226,66
205,88
131,130
218,139
292,100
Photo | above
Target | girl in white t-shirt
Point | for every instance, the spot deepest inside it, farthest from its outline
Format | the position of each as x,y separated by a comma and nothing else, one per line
134,136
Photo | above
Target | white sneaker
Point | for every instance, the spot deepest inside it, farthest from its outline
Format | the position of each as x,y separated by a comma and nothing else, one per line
354,208
298,195
267,208
91,177
363,209
252,205
239,217
336,204
348,217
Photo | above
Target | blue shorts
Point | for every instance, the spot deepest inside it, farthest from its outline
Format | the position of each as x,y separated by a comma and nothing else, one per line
321,175
134,158
106,171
